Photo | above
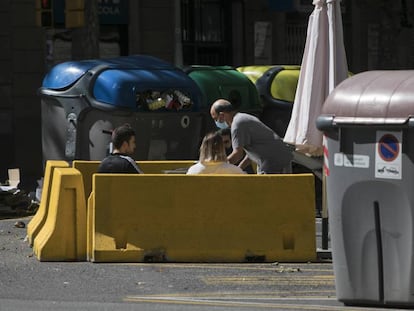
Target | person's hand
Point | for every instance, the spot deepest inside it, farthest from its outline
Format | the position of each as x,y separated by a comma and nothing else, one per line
245,162
235,156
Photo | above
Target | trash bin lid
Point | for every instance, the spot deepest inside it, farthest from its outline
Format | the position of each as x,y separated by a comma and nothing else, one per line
65,74
281,85
225,82
123,87
126,82
371,97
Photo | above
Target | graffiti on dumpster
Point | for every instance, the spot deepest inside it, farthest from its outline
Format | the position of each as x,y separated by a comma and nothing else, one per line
388,155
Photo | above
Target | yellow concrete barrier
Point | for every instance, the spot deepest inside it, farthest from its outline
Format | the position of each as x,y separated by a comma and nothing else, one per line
38,220
161,166
88,168
63,235
201,218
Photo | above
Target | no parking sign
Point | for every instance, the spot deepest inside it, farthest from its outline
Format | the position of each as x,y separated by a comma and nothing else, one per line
388,155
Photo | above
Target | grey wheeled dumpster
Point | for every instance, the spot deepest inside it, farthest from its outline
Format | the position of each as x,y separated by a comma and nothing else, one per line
368,123
83,101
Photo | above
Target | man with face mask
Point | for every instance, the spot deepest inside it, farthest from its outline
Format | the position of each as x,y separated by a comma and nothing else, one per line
252,140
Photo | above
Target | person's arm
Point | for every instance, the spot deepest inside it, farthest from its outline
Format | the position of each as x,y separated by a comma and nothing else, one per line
235,156
245,162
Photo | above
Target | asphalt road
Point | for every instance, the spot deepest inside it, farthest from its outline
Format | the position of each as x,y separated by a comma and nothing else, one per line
27,284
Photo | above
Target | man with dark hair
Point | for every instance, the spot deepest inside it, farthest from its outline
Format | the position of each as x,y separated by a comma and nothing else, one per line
251,136
119,161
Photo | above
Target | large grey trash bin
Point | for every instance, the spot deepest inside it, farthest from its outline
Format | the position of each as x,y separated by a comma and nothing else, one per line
82,101
368,122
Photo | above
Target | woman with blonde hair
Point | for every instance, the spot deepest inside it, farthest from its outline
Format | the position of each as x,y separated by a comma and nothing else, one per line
213,159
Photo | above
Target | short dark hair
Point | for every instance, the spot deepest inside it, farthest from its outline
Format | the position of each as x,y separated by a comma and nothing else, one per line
225,132
122,133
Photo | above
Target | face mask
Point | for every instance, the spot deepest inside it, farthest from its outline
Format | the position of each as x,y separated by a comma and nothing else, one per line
221,125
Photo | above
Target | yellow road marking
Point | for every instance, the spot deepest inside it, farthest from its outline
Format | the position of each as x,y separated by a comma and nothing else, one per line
211,301
254,294
313,267
327,280
289,274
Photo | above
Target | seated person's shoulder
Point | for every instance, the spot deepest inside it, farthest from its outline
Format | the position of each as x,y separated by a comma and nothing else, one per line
105,164
116,164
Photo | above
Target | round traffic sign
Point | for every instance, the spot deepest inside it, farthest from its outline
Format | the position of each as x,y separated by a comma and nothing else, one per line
388,147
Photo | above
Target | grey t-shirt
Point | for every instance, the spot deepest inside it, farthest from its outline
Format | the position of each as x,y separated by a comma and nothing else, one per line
260,143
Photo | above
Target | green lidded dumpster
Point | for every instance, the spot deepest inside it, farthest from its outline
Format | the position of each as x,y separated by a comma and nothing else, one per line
224,82
368,123
83,101
276,86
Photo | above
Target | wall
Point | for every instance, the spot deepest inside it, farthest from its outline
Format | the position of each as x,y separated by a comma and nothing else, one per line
22,63
6,102
383,34
151,28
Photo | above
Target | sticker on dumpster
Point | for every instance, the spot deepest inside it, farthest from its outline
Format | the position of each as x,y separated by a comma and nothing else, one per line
325,157
388,155
351,160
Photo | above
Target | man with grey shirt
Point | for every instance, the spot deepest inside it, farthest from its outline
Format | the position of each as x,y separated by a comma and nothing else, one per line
258,141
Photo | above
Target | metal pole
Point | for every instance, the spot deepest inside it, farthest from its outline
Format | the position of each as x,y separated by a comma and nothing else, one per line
325,224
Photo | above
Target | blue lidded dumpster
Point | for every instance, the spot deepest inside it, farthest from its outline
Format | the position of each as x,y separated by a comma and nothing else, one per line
83,101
